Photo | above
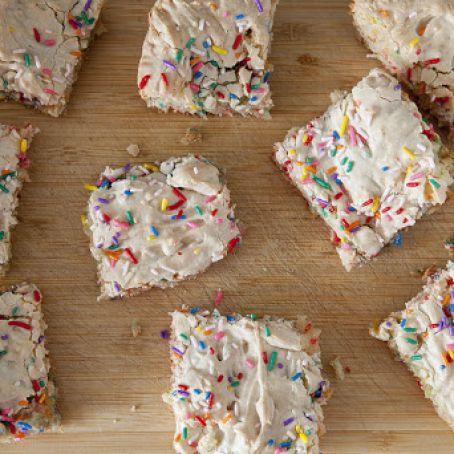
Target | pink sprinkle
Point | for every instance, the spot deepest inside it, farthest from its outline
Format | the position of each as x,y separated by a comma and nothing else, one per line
121,224
209,199
279,450
225,14
352,135
417,176
194,87
47,72
219,335
259,90
250,363
197,66
449,346
219,221
50,42
50,92
218,299
308,180
389,218
191,224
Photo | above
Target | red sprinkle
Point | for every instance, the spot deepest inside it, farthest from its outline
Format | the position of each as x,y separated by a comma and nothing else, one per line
35,385
179,194
338,196
144,81
183,387
400,210
36,296
432,61
164,79
367,202
442,99
131,256
385,210
220,378
265,357
37,35
20,324
412,185
232,243
105,217
200,420
237,41
210,400
50,42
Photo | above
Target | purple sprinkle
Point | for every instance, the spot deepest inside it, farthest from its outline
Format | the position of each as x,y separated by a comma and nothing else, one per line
169,65
40,339
127,167
397,87
259,6
96,208
87,5
451,330
355,229
280,365
117,287
183,393
114,240
164,334
178,352
4,337
288,421
101,200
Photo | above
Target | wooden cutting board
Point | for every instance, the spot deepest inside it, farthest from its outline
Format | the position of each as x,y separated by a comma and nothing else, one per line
285,267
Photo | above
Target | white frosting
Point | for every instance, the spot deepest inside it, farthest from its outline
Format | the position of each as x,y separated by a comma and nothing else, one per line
27,396
256,407
422,336
12,173
415,40
194,57
168,244
40,49
378,177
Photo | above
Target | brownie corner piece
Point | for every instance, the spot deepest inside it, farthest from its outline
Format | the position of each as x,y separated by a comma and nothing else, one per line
28,392
370,166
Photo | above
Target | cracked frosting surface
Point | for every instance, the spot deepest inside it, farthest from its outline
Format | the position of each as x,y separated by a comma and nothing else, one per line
421,336
245,386
41,45
27,395
208,57
414,39
14,144
154,226
370,166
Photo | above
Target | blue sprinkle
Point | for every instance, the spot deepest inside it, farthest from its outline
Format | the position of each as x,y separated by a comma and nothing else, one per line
270,442
194,310
127,193
397,240
202,345
266,76
207,395
104,183
153,230
442,367
230,318
385,168
336,135
23,426
197,74
197,391
254,98
296,376
239,16
351,209
285,444
402,323
174,217
233,96
205,45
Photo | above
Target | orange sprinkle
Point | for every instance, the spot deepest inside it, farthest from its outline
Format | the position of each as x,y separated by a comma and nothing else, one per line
331,170
176,356
446,299
311,169
23,403
353,225
444,357
226,418
76,53
421,30
208,332
213,7
384,13
177,438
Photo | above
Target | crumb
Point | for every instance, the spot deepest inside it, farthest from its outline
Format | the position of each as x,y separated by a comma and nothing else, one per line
134,408
133,150
115,421
136,329
339,370
427,272
449,245
307,59
192,136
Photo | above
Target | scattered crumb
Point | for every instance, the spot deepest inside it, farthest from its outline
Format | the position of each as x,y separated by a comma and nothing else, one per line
307,59
449,245
133,150
115,421
192,136
427,272
339,369
136,329
134,408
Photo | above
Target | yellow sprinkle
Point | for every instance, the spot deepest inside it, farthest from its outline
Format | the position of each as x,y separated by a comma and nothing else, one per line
451,353
219,50
90,187
151,237
151,167
408,169
83,219
196,251
226,418
10,28
193,107
305,139
343,127
303,437
23,145
199,329
164,204
291,152
414,42
408,152
298,428
375,204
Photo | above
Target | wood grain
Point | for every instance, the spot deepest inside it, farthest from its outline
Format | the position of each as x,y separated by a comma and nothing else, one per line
285,267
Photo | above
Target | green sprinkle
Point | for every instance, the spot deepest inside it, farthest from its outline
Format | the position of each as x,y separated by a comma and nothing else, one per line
415,357
344,161
183,336
253,317
234,384
333,152
4,189
190,43
321,183
14,311
198,210
349,166
411,341
2,235
133,177
214,63
434,183
184,433
27,60
213,86
255,86
42,384
3,353
272,361
113,247
410,330
6,175
129,217
267,331
179,55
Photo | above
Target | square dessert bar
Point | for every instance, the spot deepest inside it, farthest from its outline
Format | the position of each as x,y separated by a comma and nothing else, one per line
245,386
370,166
152,226
422,336
27,394
41,47
415,40
14,143
203,57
